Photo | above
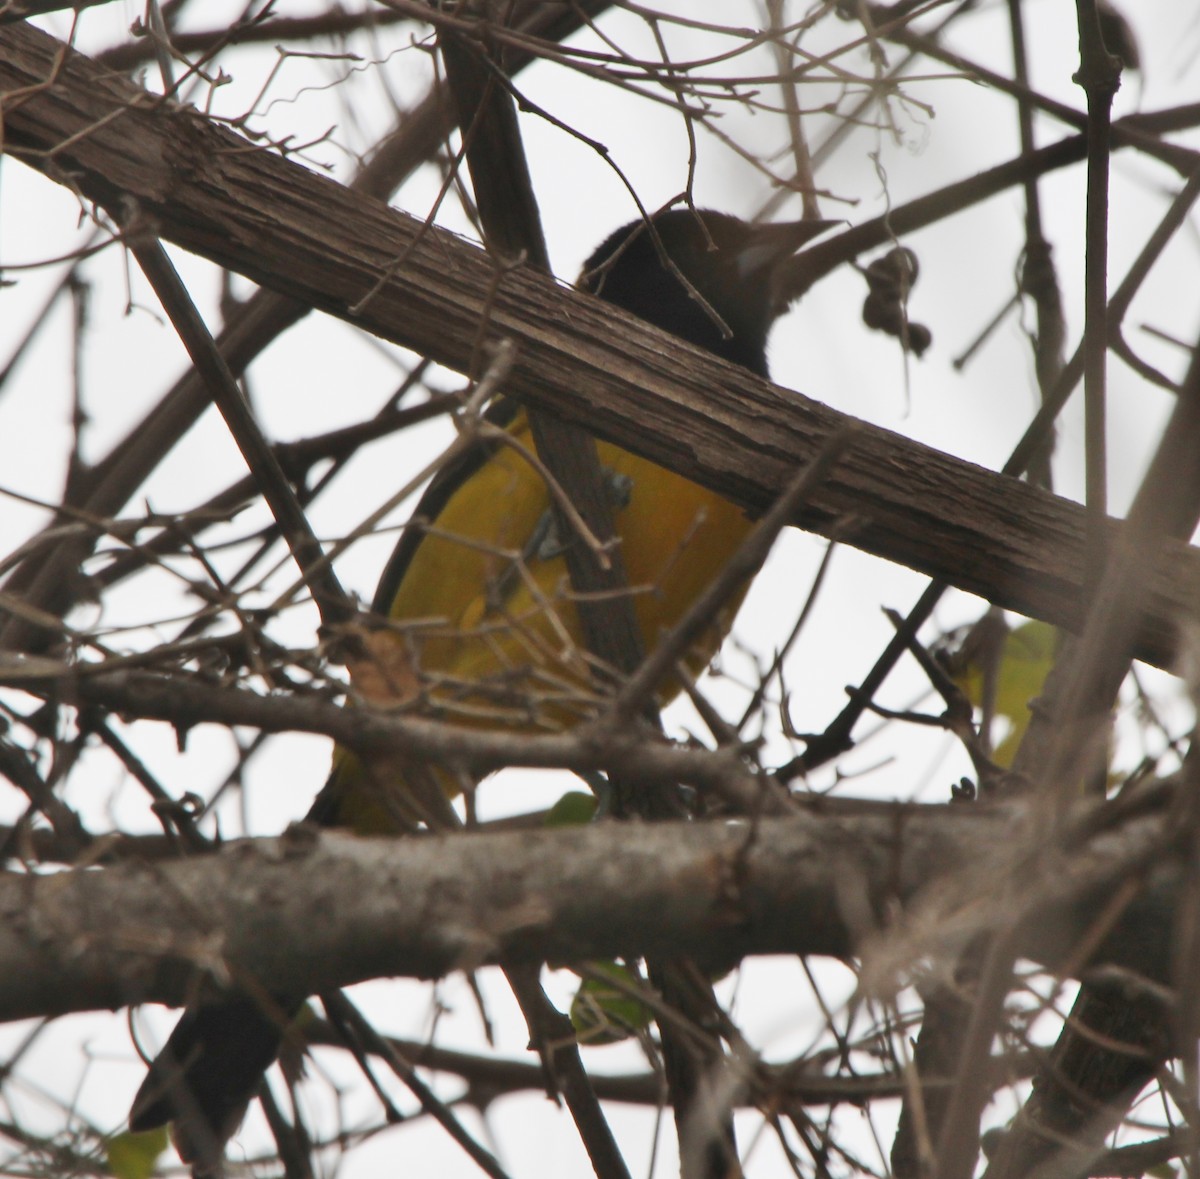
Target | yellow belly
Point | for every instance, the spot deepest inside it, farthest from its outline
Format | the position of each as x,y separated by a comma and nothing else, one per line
487,624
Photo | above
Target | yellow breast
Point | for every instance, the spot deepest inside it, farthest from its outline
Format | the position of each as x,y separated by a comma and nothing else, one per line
484,611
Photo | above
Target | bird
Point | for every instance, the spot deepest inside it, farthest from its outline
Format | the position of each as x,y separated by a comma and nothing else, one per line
480,625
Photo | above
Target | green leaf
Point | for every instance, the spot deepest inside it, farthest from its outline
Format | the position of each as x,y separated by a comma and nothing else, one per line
133,1156
1026,659
605,1012
574,809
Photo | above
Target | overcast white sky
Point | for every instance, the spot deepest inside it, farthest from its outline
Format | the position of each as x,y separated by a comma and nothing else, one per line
323,375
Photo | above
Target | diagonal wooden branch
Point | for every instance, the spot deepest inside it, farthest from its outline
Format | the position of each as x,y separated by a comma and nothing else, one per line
47,580
264,465
212,192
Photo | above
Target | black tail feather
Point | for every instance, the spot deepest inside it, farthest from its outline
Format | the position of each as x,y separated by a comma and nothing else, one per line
206,1075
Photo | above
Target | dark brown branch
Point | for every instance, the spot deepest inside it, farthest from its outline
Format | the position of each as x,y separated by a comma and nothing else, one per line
184,701
276,30
353,1027
265,468
1099,74
317,241
487,1077
50,578
512,230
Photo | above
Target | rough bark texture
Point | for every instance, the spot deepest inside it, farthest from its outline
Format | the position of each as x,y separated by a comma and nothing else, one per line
311,911
306,236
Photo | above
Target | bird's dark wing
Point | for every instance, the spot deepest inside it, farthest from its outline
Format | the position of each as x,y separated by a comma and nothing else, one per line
442,486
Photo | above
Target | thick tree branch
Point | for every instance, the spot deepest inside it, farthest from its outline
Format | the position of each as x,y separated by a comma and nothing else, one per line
311,911
47,580
306,236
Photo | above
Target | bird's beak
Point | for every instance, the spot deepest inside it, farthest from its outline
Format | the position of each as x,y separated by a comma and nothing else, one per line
769,251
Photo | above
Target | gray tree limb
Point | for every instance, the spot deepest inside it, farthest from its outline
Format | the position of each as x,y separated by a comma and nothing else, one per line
310,911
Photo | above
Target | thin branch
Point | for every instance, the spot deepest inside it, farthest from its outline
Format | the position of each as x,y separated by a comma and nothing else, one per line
331,600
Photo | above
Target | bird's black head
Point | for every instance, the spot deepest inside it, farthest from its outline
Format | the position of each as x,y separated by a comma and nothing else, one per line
731,263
